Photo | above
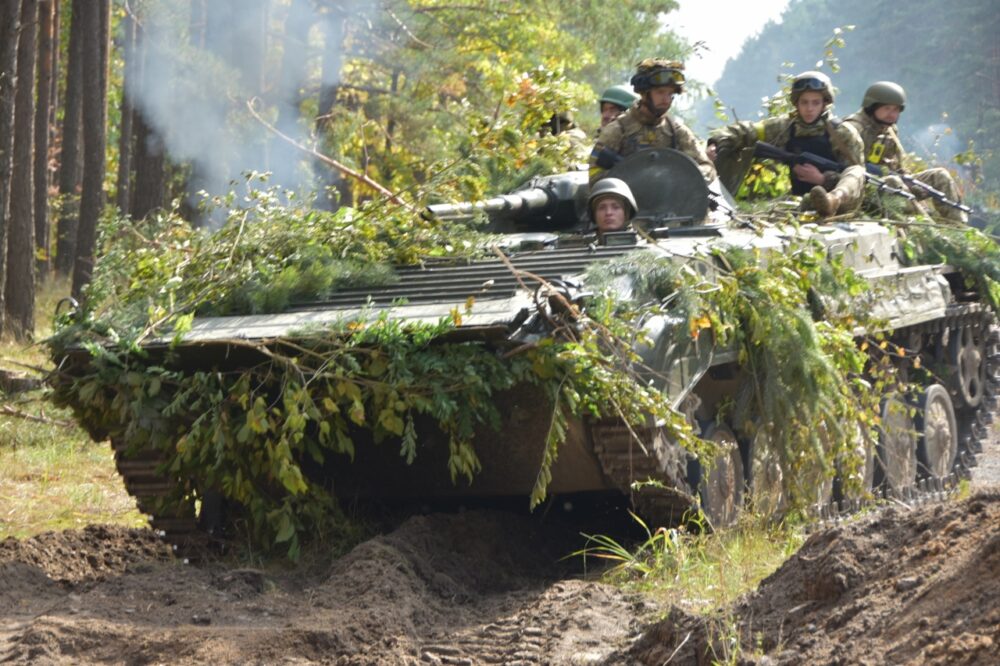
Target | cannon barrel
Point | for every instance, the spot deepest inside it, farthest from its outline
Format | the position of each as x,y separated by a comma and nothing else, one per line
509,205
543,203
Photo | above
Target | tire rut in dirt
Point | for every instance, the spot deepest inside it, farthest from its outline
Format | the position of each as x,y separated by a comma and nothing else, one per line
571,621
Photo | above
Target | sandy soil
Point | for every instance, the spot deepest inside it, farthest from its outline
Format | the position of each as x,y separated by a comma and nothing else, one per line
905,585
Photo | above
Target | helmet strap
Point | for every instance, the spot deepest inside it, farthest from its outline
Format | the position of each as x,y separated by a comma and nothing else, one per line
647,100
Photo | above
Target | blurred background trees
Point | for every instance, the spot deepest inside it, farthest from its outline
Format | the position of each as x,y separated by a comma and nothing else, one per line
124,107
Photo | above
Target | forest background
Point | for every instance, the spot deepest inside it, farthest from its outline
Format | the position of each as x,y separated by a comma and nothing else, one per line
115,110
946,56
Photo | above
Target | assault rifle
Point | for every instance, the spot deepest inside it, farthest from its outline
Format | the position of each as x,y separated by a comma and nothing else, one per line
912,182
935,194
768,151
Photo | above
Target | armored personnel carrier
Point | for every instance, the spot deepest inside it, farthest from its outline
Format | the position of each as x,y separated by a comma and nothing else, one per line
927,310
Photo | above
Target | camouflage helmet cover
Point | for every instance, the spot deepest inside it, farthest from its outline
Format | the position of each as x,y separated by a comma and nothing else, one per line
811,81
619,95
884,92
613,186
652,72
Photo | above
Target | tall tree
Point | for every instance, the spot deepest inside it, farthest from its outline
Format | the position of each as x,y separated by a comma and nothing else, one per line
69,160
236,33
335,191
44,115
10,25
150,161
95,21
56,59
20,287
124,184
283,158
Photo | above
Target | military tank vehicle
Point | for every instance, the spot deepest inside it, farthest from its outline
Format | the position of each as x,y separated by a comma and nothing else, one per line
926,309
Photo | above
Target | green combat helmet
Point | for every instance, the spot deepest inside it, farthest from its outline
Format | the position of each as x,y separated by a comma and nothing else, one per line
614,186
619,95
811,80
884,92
653,72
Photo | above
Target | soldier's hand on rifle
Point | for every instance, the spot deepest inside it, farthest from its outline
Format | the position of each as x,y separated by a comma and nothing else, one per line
808,173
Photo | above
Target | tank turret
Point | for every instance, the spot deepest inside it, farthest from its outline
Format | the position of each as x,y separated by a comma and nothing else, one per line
546,203
668,187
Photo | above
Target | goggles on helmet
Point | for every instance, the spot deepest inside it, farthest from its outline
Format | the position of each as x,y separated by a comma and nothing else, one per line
658,77
665,77
808,84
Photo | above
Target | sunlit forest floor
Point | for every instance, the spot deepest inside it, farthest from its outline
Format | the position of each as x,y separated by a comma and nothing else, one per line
52,475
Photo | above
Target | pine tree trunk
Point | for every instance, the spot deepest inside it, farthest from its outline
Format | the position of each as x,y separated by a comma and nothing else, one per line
56,58
95,25
150,166
69,159
336,191
20,287
10,25
44,116
124,184
284,158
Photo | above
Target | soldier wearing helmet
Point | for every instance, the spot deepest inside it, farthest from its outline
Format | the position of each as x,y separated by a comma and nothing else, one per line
615,101
646,123
810,127
575,143
611,205
875,122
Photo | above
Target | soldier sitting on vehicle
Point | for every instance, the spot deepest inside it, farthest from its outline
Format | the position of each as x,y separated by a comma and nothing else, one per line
562,123
646,123
875,122
809,128
611,205
615,101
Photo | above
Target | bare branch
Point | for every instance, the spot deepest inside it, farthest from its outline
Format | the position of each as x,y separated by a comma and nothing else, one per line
7,410
329,161
419,42
466,8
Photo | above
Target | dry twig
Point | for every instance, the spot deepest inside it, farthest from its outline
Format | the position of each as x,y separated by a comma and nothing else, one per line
329,161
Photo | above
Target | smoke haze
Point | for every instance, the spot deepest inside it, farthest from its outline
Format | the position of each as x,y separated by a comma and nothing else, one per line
200,71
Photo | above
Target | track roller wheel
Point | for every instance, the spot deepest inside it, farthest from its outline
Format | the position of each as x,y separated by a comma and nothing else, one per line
856,484
966,351
721,488
896,454
764,477
937,430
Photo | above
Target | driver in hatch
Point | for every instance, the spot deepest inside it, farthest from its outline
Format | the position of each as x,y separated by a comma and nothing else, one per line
612,205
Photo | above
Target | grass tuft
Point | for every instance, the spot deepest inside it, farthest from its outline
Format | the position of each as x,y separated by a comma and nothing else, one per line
699,571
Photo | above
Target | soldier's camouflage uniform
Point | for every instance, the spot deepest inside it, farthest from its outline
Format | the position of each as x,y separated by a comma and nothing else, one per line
884,150
734,145
637,129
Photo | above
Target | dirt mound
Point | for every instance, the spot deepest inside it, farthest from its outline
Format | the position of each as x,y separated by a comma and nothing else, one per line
92,553
478,587
896,587
901,586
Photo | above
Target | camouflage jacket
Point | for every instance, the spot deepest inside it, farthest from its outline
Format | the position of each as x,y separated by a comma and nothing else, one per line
637,129
882,145
844,140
